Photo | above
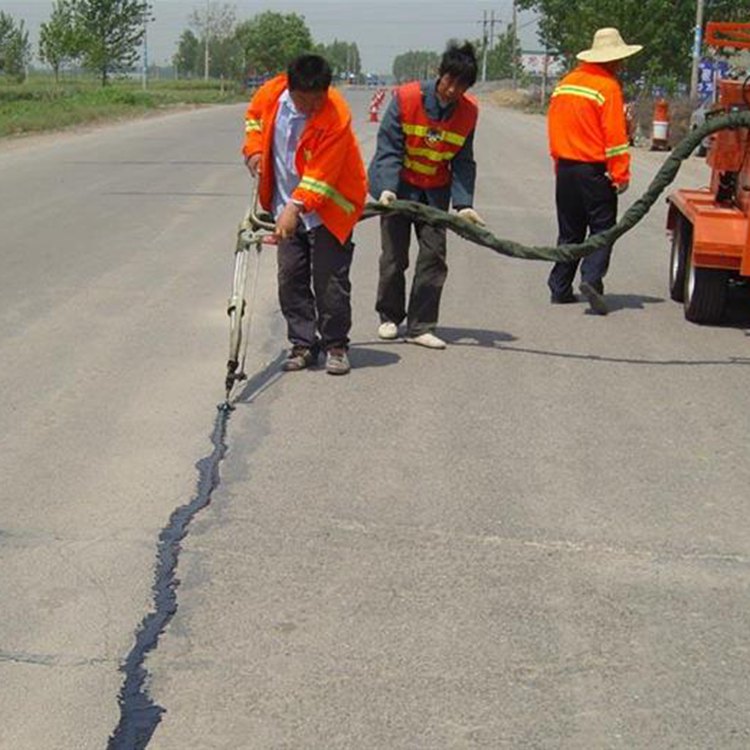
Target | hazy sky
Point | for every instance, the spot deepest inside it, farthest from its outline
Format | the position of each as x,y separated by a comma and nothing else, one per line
382,29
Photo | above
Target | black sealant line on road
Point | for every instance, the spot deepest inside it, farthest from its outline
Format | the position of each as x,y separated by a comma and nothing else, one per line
139,715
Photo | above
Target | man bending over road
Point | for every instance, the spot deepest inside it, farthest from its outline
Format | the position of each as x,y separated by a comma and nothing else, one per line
300,144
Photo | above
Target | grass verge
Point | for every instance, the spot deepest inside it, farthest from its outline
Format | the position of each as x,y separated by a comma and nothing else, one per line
40,105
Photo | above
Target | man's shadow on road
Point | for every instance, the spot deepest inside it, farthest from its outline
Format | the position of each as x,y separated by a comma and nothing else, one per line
362,356
617,302
474,337
502,341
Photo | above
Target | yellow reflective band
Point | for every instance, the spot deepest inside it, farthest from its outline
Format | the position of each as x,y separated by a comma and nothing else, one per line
415,166
323,188
583,91
253,126
428,153
423,131
616,150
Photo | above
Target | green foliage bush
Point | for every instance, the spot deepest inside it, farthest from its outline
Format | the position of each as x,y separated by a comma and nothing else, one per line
39,104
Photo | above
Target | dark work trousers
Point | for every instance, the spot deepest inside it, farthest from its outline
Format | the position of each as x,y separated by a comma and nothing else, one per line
314,287
586,201
430,273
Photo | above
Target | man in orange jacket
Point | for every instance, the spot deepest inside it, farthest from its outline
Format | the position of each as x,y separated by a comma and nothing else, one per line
588,141
300,144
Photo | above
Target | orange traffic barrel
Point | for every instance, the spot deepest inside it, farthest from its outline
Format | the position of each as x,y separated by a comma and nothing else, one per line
660,126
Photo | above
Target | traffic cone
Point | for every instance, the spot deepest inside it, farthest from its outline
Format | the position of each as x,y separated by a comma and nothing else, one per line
374,106
660,126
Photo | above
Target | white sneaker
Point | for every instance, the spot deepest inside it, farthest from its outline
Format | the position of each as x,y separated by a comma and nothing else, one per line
430,340
387,330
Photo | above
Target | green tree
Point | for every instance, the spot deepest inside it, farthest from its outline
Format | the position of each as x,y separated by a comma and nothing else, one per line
187,59
415,64
663,27
343,57
504,57
214,25
15,50
226,58
58,40
270,40
110,33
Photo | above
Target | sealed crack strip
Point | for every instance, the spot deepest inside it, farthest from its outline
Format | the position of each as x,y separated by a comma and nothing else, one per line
139,715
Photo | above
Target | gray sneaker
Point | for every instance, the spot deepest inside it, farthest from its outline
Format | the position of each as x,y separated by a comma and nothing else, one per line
337,362
300,358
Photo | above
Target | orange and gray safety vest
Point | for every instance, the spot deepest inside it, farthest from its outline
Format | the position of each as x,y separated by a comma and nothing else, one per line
586,120
429,145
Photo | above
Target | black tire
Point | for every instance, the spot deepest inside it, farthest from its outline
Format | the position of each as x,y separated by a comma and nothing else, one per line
682,239
705,292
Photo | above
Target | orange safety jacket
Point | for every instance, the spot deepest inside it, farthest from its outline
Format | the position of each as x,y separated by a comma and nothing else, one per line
328,160
429,145
586,120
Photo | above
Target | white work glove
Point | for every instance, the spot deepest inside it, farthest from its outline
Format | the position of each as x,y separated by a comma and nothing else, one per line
622,187
387,197
472,216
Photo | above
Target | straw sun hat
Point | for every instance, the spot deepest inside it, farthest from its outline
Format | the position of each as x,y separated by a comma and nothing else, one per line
608,46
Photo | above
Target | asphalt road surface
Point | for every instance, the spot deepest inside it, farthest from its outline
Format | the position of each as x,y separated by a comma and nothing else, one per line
537,538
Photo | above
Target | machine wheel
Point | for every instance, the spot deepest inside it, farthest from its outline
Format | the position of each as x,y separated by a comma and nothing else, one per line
682,239
705,292
236,312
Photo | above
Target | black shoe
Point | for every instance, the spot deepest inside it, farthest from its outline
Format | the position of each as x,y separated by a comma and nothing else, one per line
300,358
563,299
593,294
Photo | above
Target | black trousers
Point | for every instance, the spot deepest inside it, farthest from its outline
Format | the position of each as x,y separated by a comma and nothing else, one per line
314,287
586,202
430,273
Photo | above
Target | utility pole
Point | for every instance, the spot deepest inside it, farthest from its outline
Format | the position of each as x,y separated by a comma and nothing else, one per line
697,39
144,76
205,44
514,43
484,47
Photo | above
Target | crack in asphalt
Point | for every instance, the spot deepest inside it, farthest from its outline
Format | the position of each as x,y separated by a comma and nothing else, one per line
50,660
139,714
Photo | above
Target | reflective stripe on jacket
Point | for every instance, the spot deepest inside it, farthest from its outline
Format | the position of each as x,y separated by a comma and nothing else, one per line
429,145
586,120
328,159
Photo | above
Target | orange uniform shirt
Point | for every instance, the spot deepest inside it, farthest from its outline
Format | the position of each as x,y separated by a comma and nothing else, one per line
332,175
586,120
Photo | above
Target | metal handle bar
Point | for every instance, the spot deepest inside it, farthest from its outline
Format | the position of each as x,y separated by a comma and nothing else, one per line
255,219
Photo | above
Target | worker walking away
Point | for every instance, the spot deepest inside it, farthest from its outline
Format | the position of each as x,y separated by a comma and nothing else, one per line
300,144
424,153
588,141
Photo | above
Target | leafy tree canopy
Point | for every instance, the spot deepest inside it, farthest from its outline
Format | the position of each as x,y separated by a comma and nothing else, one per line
270,40
343,57
663,27
110,33
416,64
15,49
187,59
58,38
504,58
